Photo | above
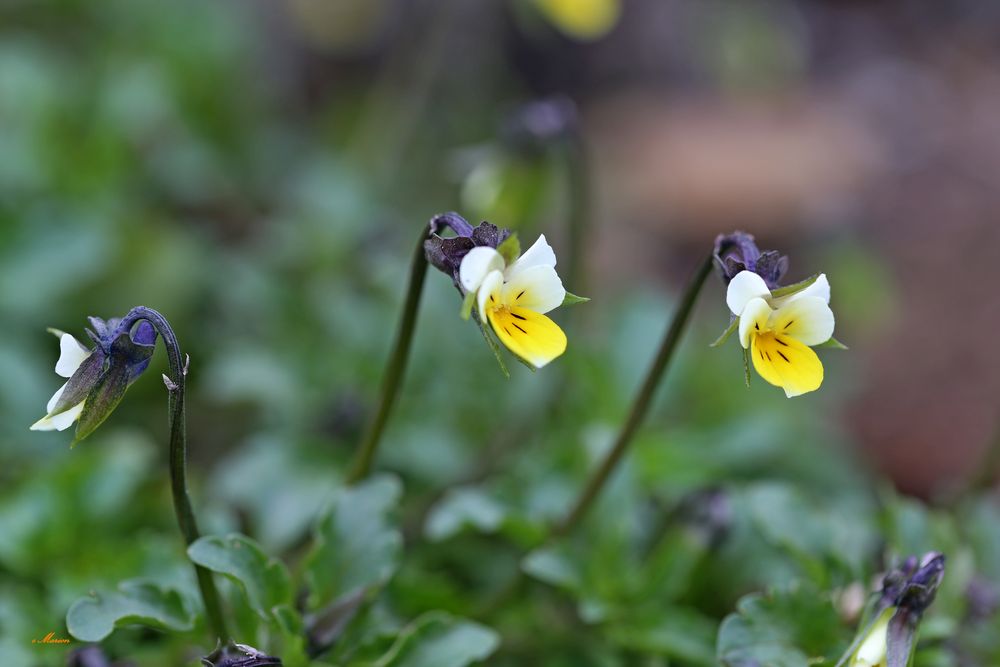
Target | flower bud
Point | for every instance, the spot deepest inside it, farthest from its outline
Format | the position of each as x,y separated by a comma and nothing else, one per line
239,655
907,591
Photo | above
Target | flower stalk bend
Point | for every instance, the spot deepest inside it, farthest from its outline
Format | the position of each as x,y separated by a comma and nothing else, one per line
175,382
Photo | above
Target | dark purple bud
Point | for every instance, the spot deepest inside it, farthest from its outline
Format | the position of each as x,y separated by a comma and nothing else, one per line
446,253
739,252
88,656
239,655
535,125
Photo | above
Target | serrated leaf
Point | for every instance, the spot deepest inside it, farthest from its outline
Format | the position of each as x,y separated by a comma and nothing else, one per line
437,639
96,616
510,249
356,546
263,579
573,299
833,344
724,336
795,287
794,627
467,303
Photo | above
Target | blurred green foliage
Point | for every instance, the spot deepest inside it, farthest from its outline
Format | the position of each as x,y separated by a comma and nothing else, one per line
152,154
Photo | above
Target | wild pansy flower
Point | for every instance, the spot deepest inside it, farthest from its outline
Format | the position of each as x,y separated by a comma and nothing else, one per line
777,326
97,376
510,291
582,19
887,636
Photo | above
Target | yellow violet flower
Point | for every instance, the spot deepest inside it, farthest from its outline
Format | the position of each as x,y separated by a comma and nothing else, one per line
515,298
779,331
582,19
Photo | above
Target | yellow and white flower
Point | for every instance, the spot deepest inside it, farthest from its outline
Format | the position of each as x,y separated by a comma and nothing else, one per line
582,19
779,331
72,353
515,298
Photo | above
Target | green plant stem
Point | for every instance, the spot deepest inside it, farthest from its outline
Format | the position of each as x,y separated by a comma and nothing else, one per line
394,368
640,406
175,381
577,161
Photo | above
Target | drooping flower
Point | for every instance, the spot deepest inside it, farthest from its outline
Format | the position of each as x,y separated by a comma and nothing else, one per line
779,331
96,377
887,637
239,655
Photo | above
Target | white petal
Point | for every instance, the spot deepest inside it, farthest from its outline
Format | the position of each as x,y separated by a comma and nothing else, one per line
808,320
753,318
71,355
59,422
55,399
744,286
537,288
475,266
539,254
489,292
820,289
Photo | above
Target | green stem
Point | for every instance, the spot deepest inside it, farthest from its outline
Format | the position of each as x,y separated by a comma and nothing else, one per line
641,404
175,382
394,368
580,207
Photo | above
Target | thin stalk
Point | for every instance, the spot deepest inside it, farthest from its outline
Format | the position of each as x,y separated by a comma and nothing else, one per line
641,404
394,368
580,207
175,380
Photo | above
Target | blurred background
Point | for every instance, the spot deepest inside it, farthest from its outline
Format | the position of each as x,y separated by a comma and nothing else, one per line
257,170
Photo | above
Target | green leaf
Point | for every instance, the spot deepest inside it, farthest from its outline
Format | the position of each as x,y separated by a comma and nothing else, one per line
96,616
572,299
724,336
795,627
746,366
437,639
461,508
467,303
263,579
356,547
670,631
551,565
795,287
834,344
510,249
495,347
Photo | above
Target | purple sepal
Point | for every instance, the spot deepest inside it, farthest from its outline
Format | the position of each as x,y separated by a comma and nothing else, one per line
446,253
739,252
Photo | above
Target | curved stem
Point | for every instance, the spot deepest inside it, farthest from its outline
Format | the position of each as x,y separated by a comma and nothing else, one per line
641,404
175,380
394,368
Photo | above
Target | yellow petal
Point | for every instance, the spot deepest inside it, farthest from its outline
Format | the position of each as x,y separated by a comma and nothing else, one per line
530,335
583,19
786,363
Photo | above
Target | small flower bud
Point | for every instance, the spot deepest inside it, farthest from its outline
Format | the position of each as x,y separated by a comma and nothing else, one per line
239,655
